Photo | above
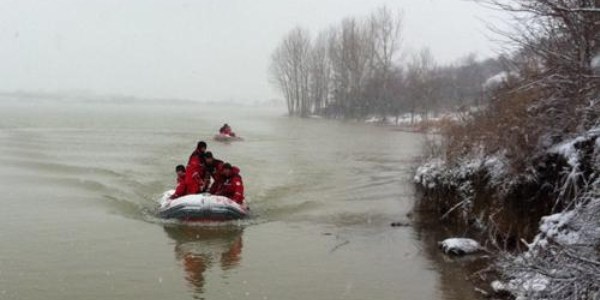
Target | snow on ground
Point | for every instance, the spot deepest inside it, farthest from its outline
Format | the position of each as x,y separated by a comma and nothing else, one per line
404,119
596,62
569,151
496,80
429,173
436,171
563,261
497,169
460,176
579,226
576,152
409,119
554,228
459,246
528,285
499,287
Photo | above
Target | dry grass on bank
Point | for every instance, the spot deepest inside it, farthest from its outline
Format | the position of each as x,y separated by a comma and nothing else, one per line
506,127
436,125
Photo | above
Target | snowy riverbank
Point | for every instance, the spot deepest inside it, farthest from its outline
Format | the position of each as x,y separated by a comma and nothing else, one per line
546,217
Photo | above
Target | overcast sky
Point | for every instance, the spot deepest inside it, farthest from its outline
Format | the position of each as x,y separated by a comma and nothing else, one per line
196,49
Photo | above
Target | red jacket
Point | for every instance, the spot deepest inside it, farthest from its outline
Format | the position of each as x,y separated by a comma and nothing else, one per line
197,156
227,131
194,176
181,189
214,171
233,187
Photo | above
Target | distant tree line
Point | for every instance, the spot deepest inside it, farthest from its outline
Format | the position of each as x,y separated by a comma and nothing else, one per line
353,70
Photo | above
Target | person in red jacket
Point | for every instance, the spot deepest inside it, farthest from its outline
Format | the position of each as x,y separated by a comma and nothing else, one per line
194,176
182,186
233,186
198,153
213,170
195,170
226,130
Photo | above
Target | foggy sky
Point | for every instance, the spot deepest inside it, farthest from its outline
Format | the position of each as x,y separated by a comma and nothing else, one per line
198,49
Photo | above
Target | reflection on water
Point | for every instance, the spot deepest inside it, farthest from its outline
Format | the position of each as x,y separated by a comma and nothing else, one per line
199,249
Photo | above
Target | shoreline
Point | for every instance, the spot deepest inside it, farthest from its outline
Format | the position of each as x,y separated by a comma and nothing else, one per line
537,233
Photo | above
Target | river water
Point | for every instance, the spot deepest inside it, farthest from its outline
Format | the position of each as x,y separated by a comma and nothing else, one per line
79,185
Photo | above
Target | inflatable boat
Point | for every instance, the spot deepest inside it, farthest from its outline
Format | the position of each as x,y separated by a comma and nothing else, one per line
226,138
200,207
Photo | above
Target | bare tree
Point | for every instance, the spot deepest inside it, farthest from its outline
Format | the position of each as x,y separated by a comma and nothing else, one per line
421,85
352,70
564,38
398,90
320,72
290,70
385,29
350,53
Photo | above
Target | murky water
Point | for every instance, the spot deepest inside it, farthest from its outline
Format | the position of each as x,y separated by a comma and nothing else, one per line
79,184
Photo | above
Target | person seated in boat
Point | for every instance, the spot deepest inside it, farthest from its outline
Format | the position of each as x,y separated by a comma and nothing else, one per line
226,130
182,185
213,169
194,176
198,153
223,129
232,186
195,170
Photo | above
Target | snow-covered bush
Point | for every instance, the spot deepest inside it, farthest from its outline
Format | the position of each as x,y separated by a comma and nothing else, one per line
430,173
582,157
461,179
543,125
562,262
